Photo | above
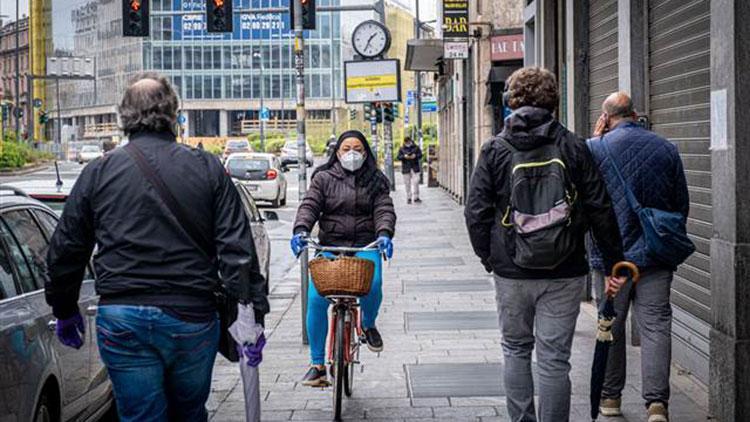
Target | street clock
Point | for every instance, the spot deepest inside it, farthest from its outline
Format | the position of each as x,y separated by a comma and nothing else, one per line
371,39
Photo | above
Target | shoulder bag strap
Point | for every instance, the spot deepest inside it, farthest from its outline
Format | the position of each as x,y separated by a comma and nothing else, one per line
632,201
147,170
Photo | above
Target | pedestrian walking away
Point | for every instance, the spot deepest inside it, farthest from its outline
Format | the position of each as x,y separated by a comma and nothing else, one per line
349,199
411,166
157,263
534,194
652,171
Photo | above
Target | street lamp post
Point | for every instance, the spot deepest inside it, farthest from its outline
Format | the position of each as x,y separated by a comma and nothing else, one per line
262,95
18,76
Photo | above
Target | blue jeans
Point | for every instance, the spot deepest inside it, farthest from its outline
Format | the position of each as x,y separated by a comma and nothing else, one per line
317,309
160,366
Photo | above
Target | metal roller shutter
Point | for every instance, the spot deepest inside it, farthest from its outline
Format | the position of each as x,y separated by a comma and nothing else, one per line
679,109
602,55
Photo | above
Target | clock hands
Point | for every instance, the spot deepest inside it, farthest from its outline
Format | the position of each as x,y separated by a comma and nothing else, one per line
368,41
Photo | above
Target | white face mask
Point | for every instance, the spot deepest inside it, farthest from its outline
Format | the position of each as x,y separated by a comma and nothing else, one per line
352,160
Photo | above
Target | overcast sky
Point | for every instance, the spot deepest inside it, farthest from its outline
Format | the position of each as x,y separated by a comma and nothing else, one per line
8,7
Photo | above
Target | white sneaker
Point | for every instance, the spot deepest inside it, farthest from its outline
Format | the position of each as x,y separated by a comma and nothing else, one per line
657,412
610,407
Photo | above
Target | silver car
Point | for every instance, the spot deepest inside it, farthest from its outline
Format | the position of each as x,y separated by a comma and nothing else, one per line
257,224
42,380
290,151
89,153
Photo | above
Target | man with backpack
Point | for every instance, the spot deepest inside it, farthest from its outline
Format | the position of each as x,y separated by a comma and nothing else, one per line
642,170
534,194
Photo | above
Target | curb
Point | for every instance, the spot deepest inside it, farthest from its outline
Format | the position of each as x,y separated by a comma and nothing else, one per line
24,171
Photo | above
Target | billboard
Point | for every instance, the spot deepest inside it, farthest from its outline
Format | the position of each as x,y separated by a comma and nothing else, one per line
246,25
372,81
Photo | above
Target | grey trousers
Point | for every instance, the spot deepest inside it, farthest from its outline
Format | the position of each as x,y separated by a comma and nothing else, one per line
411,183
539,313
653,315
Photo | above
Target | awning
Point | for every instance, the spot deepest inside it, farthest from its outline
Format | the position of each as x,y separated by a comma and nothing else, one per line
496,83
424,55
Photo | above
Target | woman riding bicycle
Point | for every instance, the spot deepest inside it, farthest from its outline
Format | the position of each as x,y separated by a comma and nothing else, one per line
350,200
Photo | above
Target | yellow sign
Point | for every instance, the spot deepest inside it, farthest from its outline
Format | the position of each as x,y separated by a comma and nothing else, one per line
372,82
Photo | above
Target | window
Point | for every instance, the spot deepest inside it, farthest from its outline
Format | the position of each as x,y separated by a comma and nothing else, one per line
7,286
47,221
16,257
32,242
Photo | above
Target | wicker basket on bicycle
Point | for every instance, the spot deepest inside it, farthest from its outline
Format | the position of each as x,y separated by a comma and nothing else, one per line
346,275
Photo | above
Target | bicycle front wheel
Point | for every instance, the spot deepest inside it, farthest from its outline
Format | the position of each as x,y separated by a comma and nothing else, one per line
353,341
338,366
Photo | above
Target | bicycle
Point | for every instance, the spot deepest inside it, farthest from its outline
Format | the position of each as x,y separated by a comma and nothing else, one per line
346,331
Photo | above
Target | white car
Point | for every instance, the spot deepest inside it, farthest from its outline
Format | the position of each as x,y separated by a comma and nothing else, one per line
261,174
289,154
88,153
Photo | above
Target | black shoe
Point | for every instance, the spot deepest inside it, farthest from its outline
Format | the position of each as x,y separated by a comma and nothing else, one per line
408,201
373,339
315,377
417,201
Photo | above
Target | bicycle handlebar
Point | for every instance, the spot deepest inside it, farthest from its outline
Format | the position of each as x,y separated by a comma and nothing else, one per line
313,244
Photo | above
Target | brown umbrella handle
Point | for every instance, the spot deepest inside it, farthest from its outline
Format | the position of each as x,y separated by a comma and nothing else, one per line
635,274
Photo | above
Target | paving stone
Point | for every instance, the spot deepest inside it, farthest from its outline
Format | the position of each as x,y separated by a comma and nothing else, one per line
463,413
435,321
455,380
445,286
400,412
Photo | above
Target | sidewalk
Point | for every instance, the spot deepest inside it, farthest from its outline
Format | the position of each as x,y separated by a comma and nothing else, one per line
442,357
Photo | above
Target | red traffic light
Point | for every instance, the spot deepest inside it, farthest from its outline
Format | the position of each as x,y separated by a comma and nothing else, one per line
219,3
135,5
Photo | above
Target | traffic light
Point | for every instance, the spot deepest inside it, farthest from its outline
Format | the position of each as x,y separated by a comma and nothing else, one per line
135,21
397,110
43,118
219,15
352,114
388,112
308,13
368,110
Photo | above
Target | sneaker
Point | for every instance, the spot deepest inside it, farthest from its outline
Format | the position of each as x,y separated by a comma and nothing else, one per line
610,407
417,201
408,201
315,377
373,339
657,412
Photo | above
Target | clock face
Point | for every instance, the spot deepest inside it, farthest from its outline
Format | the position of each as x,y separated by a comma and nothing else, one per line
371,39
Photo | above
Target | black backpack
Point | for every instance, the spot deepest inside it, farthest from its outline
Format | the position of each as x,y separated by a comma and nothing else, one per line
538,218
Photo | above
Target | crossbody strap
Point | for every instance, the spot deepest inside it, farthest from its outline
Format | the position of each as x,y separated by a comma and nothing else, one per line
148,171
632,201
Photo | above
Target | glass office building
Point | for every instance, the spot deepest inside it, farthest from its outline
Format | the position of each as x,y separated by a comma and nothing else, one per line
220,77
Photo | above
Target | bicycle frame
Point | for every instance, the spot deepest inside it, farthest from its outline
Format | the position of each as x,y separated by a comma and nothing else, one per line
350,306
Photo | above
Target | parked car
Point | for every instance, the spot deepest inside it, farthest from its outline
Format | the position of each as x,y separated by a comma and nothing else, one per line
88,153
42,380
261,174
257,223
234,146
289,154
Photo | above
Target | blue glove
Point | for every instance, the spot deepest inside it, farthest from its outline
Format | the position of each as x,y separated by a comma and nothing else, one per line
385,244
298,243
254,352
69,331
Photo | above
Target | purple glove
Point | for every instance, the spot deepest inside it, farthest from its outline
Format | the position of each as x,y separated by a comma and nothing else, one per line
68,330
254,352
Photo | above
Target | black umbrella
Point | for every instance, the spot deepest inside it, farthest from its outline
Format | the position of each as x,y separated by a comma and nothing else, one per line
604,339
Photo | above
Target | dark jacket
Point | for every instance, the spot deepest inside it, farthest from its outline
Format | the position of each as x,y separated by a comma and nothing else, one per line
652,167
348,213
144,256
527,128
413,164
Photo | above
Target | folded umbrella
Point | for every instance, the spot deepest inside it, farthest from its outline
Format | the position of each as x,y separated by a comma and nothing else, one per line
246,331
604,338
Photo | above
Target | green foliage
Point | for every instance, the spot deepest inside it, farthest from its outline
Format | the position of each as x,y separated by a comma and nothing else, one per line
214,149
274,146
14,155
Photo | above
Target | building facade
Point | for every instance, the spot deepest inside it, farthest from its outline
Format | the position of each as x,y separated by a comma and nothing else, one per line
220,77
8,59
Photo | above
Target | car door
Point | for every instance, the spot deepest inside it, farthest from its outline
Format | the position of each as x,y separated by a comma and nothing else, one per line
260,236
73,364
98,379
282,176
21,360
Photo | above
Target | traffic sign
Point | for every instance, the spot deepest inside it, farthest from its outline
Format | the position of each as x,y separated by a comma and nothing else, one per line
265,114
181,119
37,102
429,107
406,119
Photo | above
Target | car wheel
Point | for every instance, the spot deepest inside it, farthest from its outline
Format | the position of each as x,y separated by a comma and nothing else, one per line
276,203
43,411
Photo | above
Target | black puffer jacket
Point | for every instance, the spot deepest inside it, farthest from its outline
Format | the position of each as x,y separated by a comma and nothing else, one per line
348,212
527,128
409,164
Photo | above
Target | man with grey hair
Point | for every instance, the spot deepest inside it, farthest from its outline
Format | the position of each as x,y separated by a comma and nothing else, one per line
158,260
652,170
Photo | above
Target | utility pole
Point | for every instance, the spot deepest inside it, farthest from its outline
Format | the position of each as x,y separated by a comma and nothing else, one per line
17,108
59,113
299,65
262,96
418,94
333,93
388,141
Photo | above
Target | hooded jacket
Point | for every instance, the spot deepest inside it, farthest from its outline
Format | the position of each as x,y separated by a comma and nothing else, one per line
489,194
410,164
351,208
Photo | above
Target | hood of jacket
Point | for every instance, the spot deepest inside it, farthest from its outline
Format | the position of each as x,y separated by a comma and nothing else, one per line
529,127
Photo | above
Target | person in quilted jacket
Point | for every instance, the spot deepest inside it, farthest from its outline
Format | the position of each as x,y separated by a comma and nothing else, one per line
652,168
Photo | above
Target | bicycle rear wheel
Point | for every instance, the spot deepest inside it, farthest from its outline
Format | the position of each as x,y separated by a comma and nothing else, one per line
338,366
354,357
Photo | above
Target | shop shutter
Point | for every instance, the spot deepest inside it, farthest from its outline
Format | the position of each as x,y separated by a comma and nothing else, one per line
602,55
679,110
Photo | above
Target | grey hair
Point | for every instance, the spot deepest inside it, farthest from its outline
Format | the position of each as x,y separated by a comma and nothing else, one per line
619,105
149,108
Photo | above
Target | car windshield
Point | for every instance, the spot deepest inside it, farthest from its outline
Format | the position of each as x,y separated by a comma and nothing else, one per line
238,166
237,144
90,148
293,146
